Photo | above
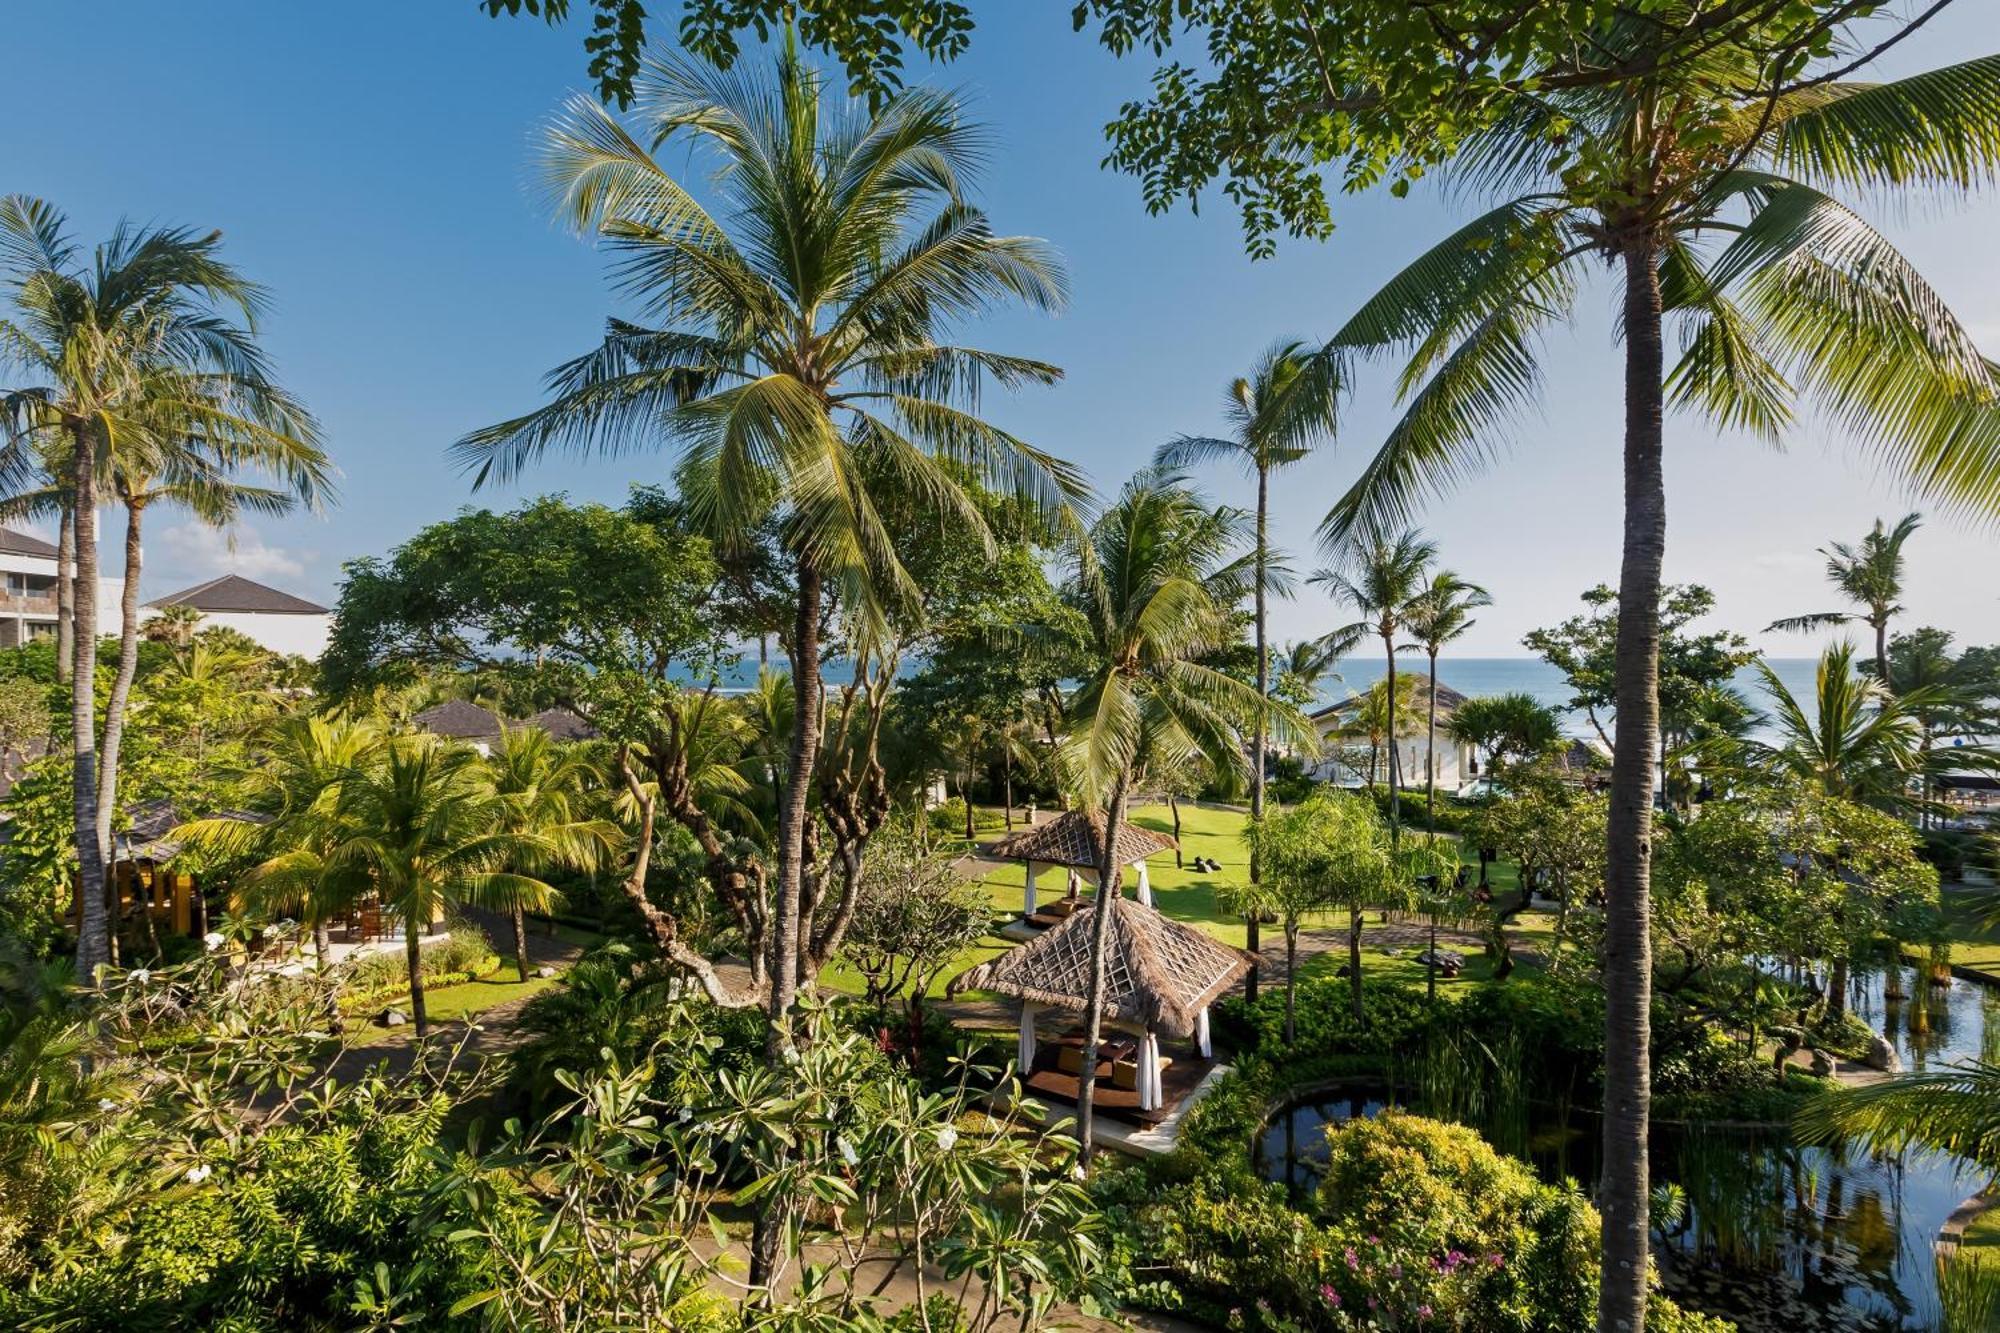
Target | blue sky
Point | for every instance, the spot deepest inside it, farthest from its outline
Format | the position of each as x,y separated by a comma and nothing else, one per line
367,161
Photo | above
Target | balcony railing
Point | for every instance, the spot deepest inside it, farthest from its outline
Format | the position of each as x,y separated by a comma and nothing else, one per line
29,603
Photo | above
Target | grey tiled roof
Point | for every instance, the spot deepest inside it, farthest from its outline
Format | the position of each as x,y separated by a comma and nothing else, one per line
233,592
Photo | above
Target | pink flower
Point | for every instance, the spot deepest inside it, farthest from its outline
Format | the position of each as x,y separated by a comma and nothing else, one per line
1329,1295
1353,1259
1423,1312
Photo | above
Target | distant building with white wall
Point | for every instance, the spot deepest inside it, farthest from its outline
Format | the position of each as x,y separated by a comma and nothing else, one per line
274,619
28,604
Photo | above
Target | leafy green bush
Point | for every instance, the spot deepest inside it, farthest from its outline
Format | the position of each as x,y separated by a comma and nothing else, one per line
465,955
1418,1225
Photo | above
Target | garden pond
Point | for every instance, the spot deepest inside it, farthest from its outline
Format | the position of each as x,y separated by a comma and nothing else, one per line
1774,1235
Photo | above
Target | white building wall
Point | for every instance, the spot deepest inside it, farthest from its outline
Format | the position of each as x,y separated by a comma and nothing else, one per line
301,635
37,609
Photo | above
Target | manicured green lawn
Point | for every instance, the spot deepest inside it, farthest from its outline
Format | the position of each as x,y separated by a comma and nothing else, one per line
449,1004
1190,895
1976,944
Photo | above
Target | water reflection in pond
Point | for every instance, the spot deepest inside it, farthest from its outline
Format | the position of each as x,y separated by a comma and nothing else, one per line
1776,1236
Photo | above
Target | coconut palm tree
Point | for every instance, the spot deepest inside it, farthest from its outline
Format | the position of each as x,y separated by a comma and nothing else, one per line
1277,414
1859,743
1717,206
1870,575
1380,577
1440,614
1145,584
795,346
545,786
424,827
1855,740
134,353
292,794
175,624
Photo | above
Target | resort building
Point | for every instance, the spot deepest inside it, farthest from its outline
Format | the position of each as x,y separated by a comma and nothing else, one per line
272,618
462,720
28,608
1350,756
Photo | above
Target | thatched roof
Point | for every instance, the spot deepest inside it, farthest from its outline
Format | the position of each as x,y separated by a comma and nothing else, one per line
1448,701
1070,839
1157,971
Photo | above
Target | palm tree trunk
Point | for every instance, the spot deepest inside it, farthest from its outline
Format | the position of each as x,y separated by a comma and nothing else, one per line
1395,800
93,945
1007,781
413,955
1291,979
1882,653
1628,958
1430,755
1174,808
783,941
1354,956
1260,731
521,940
793,812
121,684
65,596
1100,935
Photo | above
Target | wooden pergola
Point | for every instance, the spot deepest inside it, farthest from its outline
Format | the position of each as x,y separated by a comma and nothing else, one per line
1160,977
1070,840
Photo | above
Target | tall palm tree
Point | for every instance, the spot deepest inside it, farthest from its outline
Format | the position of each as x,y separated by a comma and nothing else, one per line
1380,578
1440,614
1277,414
132,352
426,829
1145,584
794,348
1855,741
545,786
1870,575
187,473
1714,204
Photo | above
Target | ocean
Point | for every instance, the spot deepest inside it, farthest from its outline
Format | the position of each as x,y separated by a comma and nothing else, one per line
1467,675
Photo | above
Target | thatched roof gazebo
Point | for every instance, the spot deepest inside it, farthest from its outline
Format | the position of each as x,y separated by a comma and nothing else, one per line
1160,975
1070,840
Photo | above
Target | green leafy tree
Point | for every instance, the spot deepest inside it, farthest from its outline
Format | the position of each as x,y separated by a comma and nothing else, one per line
798,349
1328,852
1871,575
129,355
1380,578
1511,728
1439,615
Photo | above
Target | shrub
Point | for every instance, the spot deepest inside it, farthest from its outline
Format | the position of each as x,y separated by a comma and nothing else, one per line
380,976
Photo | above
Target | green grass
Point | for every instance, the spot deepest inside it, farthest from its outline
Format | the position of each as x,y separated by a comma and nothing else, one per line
1975,943
449,1004
1191,896
1982,1237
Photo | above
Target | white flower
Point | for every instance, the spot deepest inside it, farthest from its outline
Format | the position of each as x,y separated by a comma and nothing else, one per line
139,976
947,1139
687,1114
270,932
197,1174
213,940
106,1104
847,1153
